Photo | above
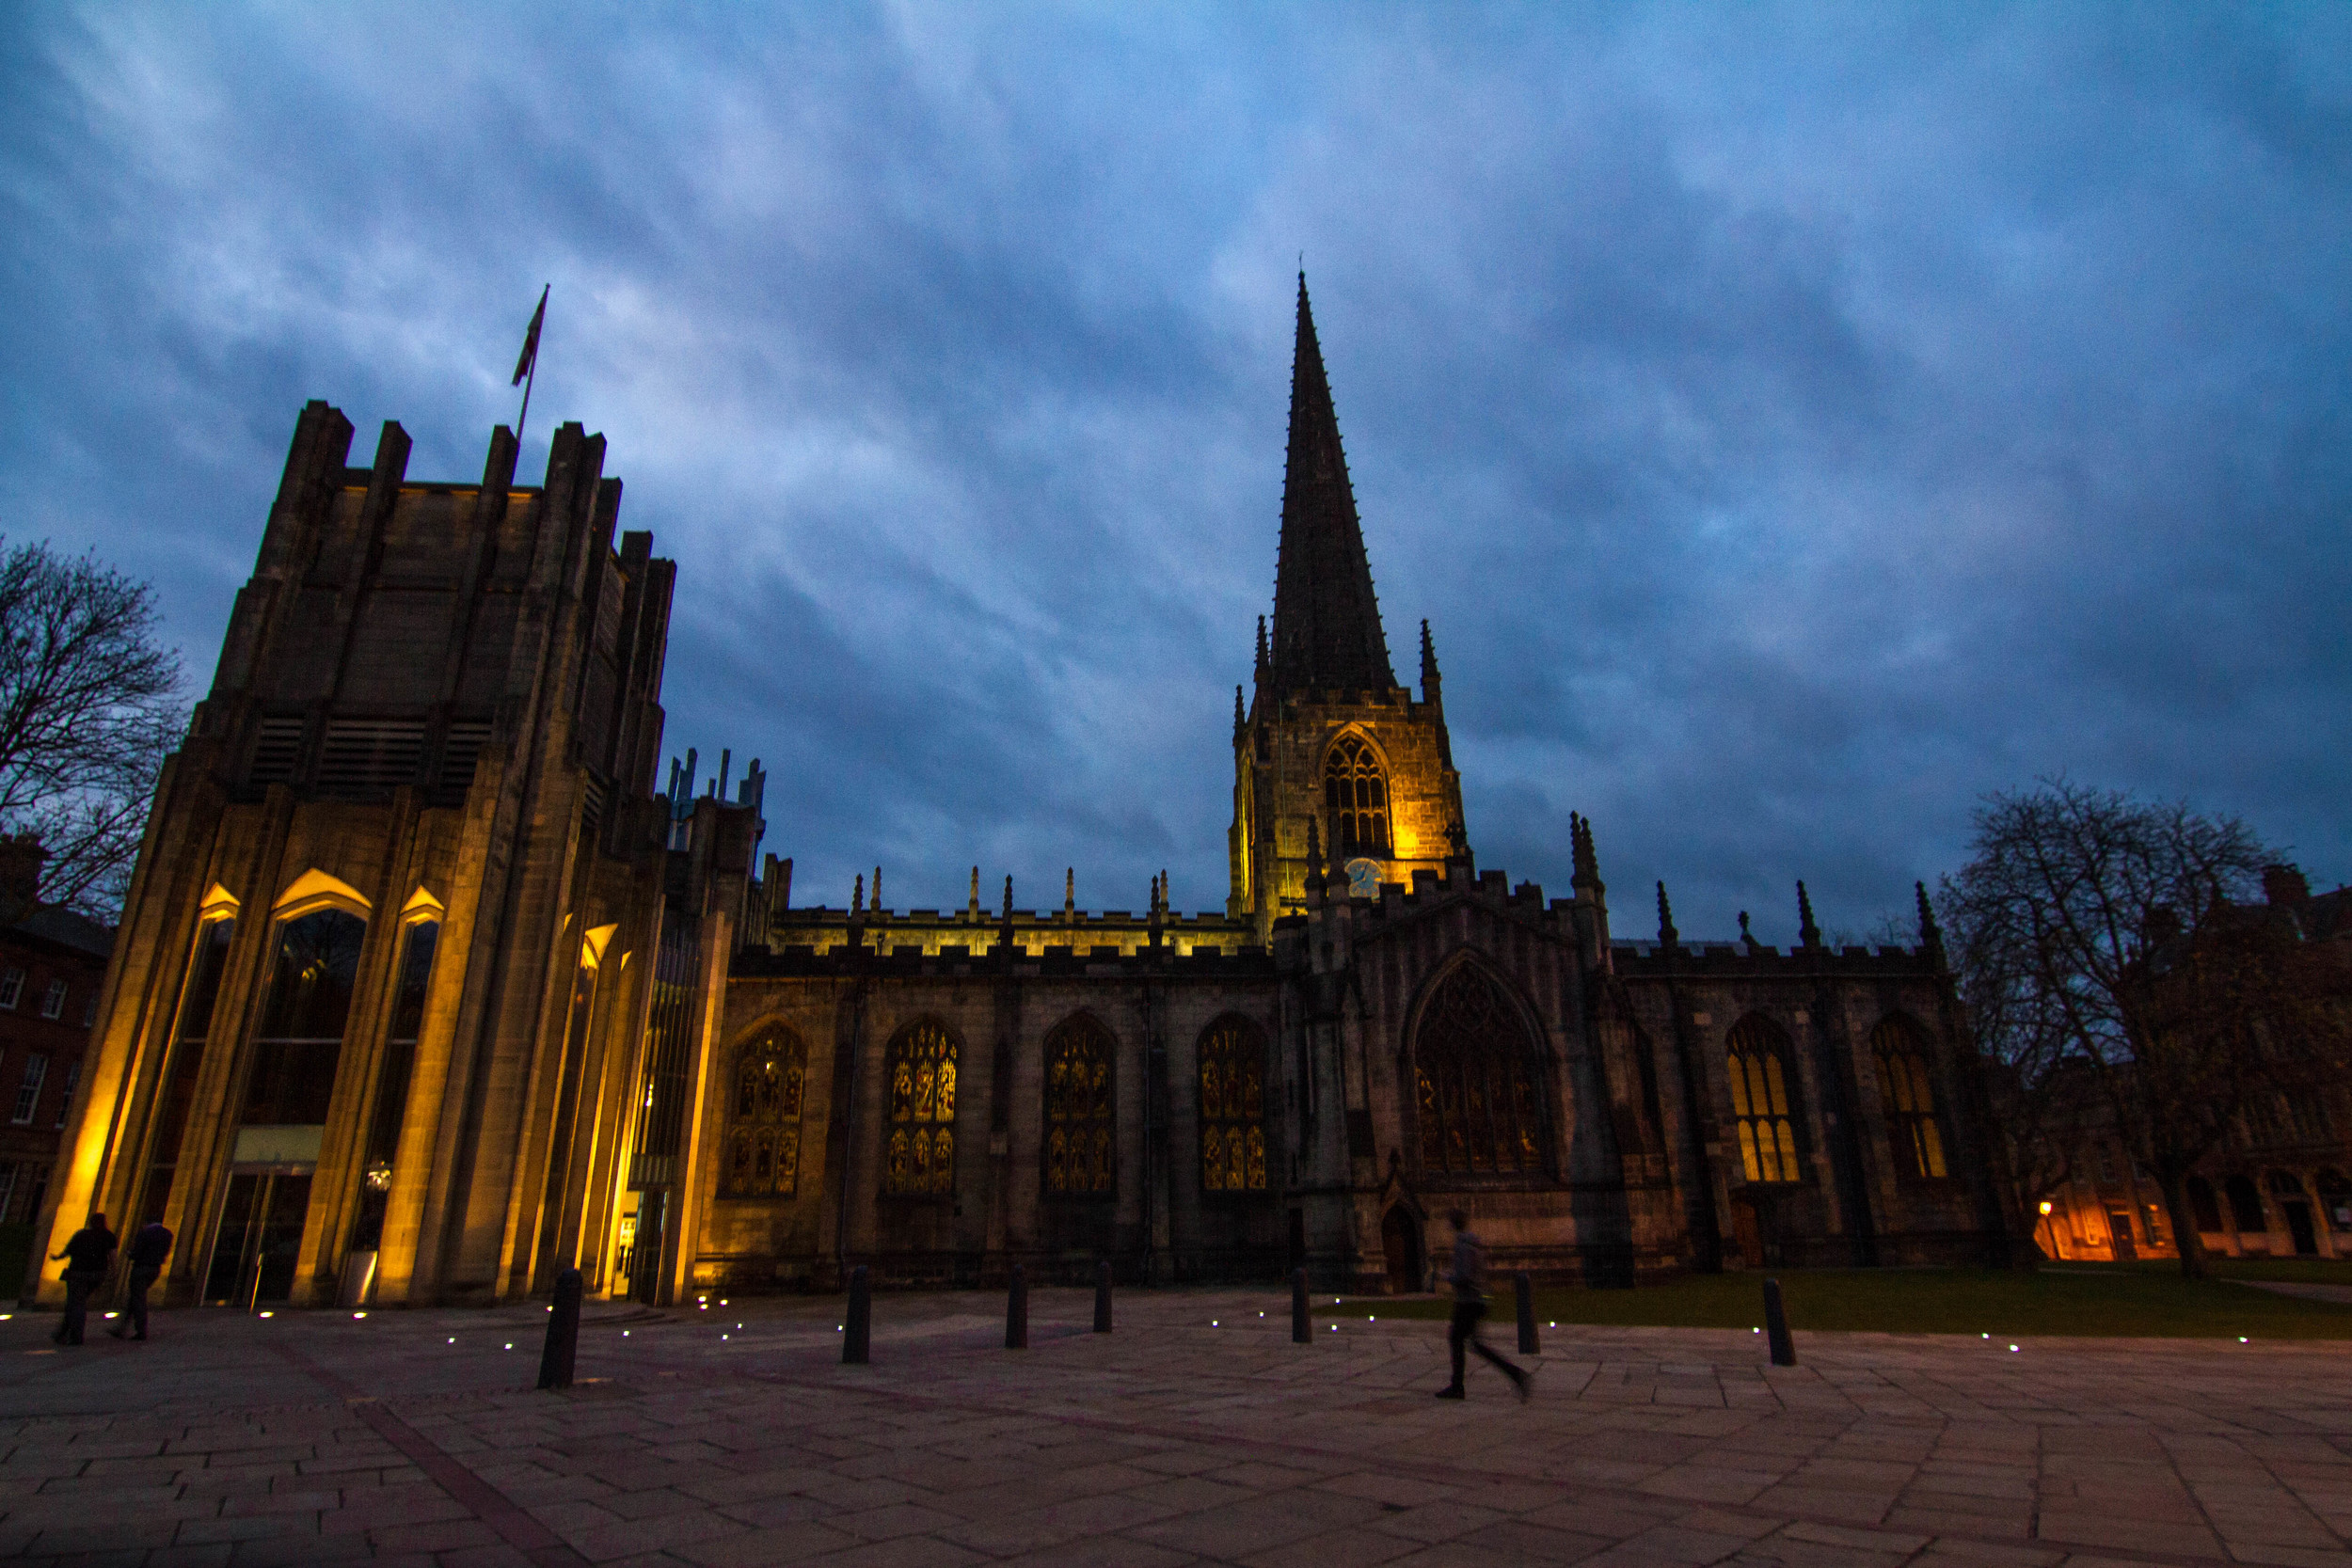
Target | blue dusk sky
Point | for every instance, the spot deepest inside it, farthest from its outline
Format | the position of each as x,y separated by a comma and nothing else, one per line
1794,422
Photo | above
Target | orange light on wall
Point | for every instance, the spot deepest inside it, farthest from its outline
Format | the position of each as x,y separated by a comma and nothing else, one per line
2045,1205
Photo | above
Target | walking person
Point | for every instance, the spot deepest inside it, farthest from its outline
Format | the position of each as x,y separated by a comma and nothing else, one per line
1470,1305
87,1256
147,1252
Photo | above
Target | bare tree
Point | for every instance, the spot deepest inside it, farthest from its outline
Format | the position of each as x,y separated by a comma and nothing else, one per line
2101,946
88,709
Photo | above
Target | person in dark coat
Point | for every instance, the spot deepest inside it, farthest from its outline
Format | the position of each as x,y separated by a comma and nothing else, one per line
85,1258
1470,1305
145,1253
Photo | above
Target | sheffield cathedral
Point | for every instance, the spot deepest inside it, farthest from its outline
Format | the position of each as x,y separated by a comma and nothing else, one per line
430,986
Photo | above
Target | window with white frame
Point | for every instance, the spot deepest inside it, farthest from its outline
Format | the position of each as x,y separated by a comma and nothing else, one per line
90,1010
28,1092
53,1000
11,987
72,1081
8,1187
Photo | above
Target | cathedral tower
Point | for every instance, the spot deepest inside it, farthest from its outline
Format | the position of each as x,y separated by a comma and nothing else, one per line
1331,750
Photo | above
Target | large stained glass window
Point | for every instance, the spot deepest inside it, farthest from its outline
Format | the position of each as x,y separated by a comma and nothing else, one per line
1081,1153
1909,1096
1355,792
1763,1101
763,1147
922,1150
1232,1108
1474,1068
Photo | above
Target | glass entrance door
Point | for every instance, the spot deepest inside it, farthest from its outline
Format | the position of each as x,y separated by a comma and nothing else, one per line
259,1238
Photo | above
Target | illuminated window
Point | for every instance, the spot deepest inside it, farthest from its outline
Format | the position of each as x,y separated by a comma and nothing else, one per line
763,1150
1080,1151
1762,1101
1232,1108
922,1150
392,1076
301,1040
1474,1076
1908,1097
202,989
1356,791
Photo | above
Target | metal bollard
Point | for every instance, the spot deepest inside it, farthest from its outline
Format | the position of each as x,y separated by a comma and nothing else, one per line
1776,1326
562,1346
1524,1289
1017,1312
1298,1307
857,1328
1103,1298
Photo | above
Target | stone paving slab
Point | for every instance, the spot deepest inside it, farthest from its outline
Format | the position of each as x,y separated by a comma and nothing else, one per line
729,1433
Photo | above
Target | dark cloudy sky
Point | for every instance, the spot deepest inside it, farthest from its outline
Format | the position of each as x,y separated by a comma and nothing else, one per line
1794,422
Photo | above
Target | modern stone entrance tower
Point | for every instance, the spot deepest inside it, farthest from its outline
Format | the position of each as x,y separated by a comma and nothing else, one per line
385,956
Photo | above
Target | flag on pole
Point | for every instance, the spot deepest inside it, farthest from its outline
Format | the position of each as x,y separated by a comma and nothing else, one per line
531,341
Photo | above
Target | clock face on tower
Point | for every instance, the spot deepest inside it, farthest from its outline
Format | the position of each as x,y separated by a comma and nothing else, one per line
1364,878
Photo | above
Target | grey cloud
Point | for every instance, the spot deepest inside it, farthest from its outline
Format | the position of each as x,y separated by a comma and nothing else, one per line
1794,422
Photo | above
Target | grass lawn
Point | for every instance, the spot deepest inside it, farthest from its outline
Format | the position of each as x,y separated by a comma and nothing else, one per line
2137,1301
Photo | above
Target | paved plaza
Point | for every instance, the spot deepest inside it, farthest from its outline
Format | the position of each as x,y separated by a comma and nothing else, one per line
1197,1433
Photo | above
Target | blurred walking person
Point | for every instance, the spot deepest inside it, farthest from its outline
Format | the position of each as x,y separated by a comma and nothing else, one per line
1470,1305
145,1253
86,1255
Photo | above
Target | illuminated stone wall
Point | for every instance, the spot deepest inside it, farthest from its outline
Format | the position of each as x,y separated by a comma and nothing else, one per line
437,704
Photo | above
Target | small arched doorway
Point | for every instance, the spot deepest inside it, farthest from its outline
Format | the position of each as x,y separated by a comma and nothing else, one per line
1400,1243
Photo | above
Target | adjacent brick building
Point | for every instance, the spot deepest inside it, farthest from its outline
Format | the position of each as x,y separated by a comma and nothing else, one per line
52,961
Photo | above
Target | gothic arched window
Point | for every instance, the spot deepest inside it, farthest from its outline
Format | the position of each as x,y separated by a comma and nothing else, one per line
763,1147
1763,1101
1909,1096
1232,1108
922,1150
1474,1070
1080,1151
1356,791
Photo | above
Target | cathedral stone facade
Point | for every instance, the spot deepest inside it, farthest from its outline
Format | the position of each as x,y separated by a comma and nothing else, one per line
425,992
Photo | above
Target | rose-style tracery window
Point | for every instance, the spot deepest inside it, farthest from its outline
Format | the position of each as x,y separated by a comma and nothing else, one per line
1474,1066
922,1150
1355,793
763,1149
1232,1108
1080,1151
1763,1101
1909,1095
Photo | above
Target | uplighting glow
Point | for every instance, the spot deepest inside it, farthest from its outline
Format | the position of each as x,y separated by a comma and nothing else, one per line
269,1314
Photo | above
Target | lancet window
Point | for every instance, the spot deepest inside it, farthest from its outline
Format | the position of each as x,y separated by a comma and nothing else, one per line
1474,1067
1355,793
1232,1108
763,1149
1909,1096
922,1150
1763,1101
301,1040
1080,1149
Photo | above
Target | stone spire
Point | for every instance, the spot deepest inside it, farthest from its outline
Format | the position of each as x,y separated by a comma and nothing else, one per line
1327,622
1807,933
1429,685
1668,938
